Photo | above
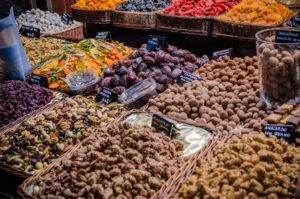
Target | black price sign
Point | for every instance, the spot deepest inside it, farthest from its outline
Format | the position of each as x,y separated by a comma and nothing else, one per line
103,36
66,19
284,132
39,80
29,31
222,53
283,36
161,124
155,43
106,96
187,77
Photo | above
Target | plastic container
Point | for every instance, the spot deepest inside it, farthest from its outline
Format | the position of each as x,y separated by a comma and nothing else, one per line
82,82
138,95
279,69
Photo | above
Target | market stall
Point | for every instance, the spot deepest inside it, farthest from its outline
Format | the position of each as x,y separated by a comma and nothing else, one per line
84,117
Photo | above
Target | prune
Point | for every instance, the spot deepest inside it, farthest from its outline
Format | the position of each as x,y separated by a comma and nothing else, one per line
131,76
123,81
190,57
175,60
160,56
142,67
168,58
180,53
109,72
167,70
119,89
189,67
115,81
176,73
164,79
160,87
106,82
156,74
149,60
123,70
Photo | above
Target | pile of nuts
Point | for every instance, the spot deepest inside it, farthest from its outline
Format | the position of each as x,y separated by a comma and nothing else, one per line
39,140
279,71
18,98
222,106
121,161
38,48
253,166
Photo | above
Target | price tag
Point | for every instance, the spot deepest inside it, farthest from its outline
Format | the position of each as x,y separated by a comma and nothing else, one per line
106,96
66,19
39,80
103,36
222,53
283,36
29,31
155,43
187,77
161,124
284,132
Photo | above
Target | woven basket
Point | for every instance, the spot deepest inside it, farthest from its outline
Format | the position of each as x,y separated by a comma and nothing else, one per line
177,178
136,20
239,31
74,32
189,25
92,16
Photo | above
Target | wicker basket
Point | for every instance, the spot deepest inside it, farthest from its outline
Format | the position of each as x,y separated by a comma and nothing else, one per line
72,33
136,20
92,16
168,187
239,31
189,25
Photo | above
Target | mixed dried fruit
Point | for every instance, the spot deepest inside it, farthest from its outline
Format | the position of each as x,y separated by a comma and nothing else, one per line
266,12
164,66
253,166
97,4
39,140
37,48
120,162
87,54
17,98
199,8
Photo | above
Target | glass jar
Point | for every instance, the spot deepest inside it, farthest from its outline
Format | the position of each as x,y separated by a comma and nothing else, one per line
278,67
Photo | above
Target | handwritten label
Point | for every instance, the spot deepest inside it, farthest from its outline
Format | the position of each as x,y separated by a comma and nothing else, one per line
103,35
161,124
187,77
283,36
155,43
284,132
39,80
67,19
222,53
106,96
29,31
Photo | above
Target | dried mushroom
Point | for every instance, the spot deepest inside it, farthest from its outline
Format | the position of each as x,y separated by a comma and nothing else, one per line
121,162
41,139
253,166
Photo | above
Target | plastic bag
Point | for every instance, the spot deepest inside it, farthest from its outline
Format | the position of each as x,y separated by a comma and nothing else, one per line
13,61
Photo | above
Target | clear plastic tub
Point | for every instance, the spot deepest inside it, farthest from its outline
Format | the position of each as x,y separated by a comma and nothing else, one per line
82,82
138,95
279,69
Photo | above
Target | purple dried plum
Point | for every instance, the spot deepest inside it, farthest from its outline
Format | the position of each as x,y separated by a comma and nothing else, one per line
131,76
116,66
176,73
127,62
109,72
149,60
153,68
168,58
190,57
124,81
142,51
180,53
156,74
151,54
189,67
142,67
202,60
160,87
115,81
106,82
175,60
164,79
167,70
123,70
171,49
119,90
160,56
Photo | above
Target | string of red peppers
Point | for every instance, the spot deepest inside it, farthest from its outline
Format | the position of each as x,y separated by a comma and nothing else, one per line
199,8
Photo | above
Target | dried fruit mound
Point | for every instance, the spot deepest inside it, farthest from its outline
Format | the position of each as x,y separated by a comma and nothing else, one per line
253,166
258,11
199,8
17,98
143,5
97,4
120,162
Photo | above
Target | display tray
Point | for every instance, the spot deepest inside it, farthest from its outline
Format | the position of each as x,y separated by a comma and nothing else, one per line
136,20
72,33
190,25
92,16
57,96
137,118
240,31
